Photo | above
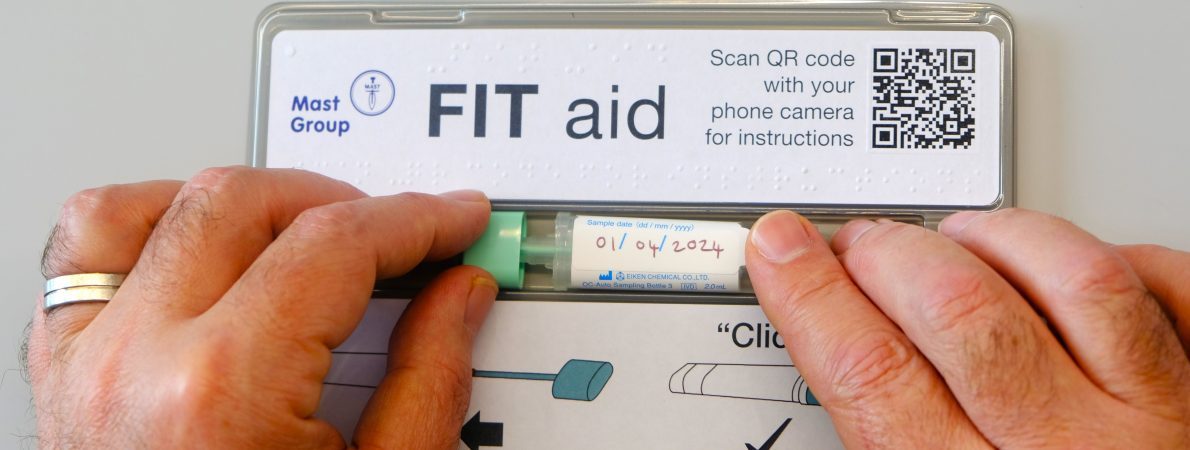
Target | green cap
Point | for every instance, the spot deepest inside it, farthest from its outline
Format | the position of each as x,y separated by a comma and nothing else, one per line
580,379
498,250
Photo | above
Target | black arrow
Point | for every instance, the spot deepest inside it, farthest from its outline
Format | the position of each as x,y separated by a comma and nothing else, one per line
482,434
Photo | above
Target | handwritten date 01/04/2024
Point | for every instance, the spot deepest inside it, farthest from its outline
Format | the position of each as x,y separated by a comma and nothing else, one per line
677,246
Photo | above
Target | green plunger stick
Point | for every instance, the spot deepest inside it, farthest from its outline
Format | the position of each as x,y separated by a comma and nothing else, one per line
579,379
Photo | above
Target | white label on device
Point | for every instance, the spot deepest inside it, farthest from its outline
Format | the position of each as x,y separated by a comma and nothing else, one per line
835,117
656,254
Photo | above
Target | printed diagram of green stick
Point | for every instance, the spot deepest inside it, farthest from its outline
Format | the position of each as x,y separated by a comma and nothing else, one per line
744,381
578,379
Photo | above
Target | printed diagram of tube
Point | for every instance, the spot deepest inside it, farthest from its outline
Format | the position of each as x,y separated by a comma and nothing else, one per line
744,381
579,379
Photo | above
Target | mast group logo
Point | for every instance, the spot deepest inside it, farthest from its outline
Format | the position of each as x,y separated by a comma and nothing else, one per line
372,93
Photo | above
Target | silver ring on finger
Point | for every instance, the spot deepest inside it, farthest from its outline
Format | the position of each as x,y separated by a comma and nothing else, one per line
83,287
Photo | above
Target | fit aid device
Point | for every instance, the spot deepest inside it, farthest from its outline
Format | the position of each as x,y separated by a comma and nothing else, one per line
627,148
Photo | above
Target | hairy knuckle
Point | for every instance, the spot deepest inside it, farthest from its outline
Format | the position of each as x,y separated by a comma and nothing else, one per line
196,207
336,221
870,366
200,198
951,302
90,204
88,217
879,242
219,179
425,206
1099,275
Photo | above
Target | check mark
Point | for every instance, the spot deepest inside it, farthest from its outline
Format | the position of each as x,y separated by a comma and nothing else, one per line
772,439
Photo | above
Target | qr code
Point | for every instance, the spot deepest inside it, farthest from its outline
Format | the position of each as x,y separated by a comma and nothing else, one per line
924,98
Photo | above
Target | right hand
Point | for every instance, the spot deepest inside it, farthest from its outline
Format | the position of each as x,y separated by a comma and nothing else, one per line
1006,329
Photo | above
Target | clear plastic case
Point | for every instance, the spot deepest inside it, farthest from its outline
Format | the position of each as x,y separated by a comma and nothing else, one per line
586,121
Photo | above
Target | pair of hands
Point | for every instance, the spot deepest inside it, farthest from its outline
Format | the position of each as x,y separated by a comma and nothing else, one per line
1008,329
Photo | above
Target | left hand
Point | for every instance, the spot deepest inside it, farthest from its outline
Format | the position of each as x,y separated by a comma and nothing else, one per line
241,281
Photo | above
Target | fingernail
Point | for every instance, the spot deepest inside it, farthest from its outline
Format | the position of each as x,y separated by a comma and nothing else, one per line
780,236
849,233
466,195
955,223
479,301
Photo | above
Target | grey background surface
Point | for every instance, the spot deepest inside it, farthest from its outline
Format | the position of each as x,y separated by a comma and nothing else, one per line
93,93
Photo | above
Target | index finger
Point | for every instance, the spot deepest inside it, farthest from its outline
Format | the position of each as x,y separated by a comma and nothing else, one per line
308,290
972,325
314,281
878,388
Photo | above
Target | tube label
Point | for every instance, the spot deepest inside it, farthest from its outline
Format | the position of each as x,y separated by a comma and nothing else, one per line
629,253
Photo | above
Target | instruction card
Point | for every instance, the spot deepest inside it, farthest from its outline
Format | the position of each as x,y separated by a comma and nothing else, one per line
685,116
589,375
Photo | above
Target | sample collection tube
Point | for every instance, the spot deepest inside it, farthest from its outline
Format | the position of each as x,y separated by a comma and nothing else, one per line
744,381
619,253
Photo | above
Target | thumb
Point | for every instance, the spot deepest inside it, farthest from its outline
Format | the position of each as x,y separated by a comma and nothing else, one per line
422,401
